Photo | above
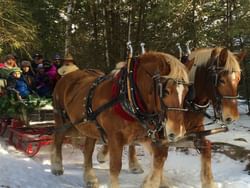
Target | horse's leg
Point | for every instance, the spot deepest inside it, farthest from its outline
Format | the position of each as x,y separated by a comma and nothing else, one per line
102,155
134,165
248,168
115,154
156,178
207,179
89,174
56,154
56,147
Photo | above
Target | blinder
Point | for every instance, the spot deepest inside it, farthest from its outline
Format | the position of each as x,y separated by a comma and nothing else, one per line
160,85
191,93
214,72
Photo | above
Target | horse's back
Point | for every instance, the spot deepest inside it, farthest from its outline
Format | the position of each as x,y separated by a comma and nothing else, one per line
74,86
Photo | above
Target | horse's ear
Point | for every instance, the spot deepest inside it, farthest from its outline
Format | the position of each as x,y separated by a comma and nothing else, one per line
189,64
223,56
240,56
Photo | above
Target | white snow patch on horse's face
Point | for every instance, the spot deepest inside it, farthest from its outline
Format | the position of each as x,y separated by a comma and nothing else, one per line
180,90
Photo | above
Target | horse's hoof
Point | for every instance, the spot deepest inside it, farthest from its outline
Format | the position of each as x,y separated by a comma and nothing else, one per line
57,172
210,185
92,185
101,161
136,170
101,158
164,183
164,186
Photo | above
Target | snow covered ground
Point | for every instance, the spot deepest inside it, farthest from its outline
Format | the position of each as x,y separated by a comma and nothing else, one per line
181,169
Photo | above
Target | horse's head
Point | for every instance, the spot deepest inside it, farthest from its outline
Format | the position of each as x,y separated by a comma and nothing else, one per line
225,79
163,81
220,75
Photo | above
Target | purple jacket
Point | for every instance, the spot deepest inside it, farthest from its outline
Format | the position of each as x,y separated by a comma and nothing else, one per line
52,74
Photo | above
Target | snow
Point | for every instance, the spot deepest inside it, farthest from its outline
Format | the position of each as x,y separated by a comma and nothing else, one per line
181,168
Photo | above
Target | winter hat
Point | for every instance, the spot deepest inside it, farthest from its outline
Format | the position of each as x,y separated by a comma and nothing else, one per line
15,69
25,63
10,56
68,57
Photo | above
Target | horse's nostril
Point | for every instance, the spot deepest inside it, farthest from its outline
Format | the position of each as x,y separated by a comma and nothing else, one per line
229,120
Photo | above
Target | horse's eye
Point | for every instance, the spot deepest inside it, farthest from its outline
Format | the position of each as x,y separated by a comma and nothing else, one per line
165,92
222,81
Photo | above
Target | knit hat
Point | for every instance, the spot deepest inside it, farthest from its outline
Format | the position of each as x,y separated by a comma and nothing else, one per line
25,63
10,56
15,69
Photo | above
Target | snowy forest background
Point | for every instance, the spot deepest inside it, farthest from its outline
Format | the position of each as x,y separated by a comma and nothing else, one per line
96,31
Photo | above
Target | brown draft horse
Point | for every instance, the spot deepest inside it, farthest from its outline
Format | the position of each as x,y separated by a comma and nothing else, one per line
83,100
215,73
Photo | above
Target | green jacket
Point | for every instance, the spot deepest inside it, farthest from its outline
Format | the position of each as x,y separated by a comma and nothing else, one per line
5,72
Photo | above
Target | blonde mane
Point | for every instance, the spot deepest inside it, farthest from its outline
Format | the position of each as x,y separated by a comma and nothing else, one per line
178,70
232,65
117,68
203,55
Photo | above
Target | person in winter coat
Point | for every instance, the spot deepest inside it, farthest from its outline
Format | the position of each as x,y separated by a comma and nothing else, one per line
37,59
57,61
9,63
68,65
16,81
51,72
43,86
28,73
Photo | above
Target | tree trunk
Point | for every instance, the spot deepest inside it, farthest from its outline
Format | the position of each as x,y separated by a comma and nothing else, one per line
70,8
140,21
105,35
194,24
93,8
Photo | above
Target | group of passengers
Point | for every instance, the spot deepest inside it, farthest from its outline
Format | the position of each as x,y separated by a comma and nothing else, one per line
37,77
